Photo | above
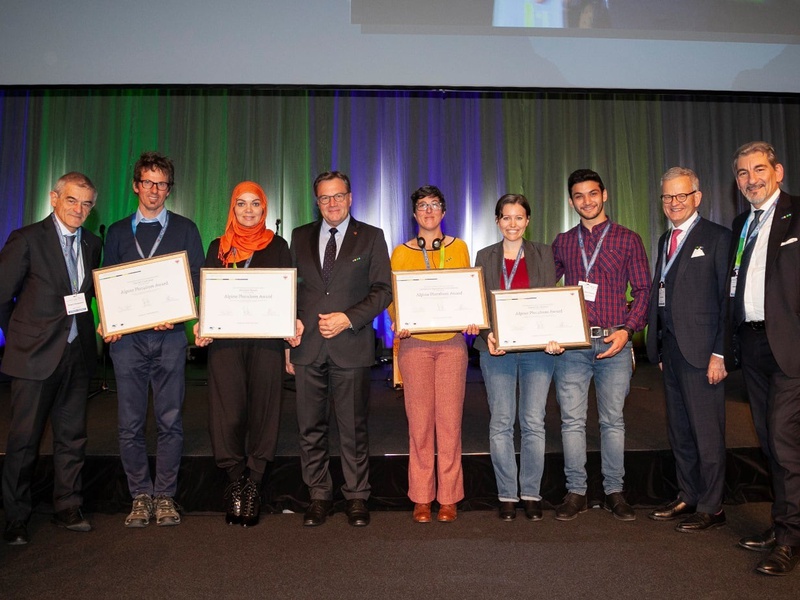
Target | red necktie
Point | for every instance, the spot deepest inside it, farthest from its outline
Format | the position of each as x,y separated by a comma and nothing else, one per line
673,243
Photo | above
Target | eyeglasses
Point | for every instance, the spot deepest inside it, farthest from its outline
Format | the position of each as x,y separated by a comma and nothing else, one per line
425,206
340,197
74,203
161,185
681,198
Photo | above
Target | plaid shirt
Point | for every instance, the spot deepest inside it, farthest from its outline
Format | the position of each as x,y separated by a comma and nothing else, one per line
621,260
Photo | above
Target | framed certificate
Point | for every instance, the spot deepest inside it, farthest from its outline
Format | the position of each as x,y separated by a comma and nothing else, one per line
139,295
528,319
439,300
248,303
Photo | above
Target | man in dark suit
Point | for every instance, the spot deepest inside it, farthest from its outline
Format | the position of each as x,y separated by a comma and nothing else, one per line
344,282
686,337
45,292
765,294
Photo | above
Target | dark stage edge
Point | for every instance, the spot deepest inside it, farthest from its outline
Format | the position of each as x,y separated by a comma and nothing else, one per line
650,468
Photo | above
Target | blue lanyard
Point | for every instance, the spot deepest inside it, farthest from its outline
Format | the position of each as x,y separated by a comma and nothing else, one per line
64,250
246,263
666,266
587,265
158,239
507,279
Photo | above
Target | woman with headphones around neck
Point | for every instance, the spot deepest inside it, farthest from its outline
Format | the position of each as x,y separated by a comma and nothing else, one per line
434,371
516,263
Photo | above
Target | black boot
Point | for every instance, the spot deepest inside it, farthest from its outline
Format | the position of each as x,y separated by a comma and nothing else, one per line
233,501
251,503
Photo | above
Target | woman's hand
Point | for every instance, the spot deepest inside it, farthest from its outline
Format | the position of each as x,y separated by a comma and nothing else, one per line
201,342
492,343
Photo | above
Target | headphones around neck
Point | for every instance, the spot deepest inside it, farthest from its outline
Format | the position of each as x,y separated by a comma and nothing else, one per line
436,244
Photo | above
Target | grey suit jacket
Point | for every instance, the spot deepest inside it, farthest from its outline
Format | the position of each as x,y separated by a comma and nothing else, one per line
782,285
360,287
36,324
696,294
541,273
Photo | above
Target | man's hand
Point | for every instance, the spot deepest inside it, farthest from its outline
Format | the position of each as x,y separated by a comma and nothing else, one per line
289,365
332,324
200,342
618,339
716,369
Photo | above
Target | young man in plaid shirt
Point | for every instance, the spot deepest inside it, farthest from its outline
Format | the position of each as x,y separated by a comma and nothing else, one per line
603,258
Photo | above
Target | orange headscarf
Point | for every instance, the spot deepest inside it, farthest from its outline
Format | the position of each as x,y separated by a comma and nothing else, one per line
238,242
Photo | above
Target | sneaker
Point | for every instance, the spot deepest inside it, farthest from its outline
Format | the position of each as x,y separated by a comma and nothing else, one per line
251,503
167,511
141,513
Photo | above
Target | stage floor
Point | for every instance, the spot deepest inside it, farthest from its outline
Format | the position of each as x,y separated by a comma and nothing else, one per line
650,469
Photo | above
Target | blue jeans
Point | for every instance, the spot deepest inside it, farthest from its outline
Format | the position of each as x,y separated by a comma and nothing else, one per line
533,371
612,379
156,358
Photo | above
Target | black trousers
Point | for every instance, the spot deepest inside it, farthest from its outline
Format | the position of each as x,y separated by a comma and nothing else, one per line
62,397
696,427
245,383
319,384
775,405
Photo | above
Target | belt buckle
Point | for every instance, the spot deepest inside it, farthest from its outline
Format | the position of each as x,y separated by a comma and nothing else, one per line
595,332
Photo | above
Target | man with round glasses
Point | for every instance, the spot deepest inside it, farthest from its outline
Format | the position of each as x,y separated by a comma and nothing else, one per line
154,358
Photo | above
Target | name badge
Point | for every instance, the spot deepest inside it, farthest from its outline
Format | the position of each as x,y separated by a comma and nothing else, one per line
589,290
733,283
76,303
662,295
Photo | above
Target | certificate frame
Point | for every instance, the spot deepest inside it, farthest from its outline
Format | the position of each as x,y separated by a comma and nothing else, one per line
510,308
228,295
138,295
423,300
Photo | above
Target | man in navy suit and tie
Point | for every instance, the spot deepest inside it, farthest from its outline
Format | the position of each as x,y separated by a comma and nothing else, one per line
686,327
344,282
765,295
45,292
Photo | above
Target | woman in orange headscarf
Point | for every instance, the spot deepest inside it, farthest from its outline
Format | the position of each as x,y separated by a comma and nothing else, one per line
245,376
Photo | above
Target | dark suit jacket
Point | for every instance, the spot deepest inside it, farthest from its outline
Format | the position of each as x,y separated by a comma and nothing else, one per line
782,281
360,287
541,273
696,294
36,324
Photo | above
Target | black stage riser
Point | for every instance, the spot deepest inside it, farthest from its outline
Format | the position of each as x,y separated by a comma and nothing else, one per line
649,480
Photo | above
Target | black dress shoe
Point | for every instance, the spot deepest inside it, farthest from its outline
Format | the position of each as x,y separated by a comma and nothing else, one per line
701,521
673,510
615,503
72,518
533,509
759,543
357,512
572,505
508,511
16,533
317,512
780,561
